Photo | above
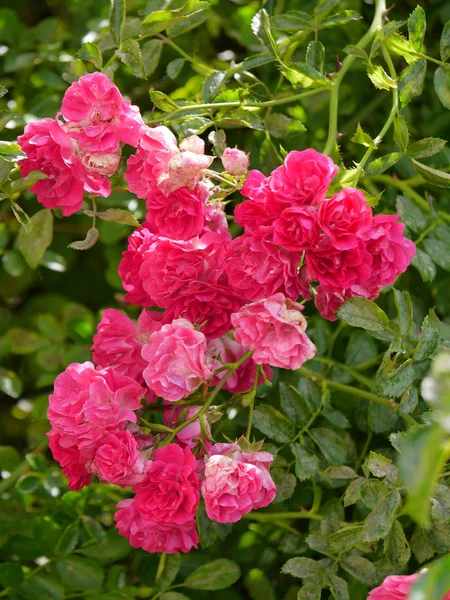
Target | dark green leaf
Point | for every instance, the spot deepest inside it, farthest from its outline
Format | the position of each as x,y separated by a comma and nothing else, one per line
212,84
417,25
293,405
258,585
174,68
28,484
360,312
340,18
216,575
306,463
171,567
426,147
434,176
272,423
404,311
396,547
345,539
411,214
89,241
91,52
379,165
353,492
361,569
339,588
401,133
411,81
80,573
424,265
292,21
330,444
315,55
442,84
130,54
23,341
420,546
302,568
356,51
445,42
428,340
10,383
39,587
69,539
285,483
150,55
381,418
379,522
9,458
117,14
10,574
409,401
34,243
13,263
395,382
118,215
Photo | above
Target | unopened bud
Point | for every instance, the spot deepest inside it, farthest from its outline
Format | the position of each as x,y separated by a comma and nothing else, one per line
235,161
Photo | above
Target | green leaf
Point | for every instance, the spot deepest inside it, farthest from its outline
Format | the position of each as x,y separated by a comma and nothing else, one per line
310,591
426,147
330,444
409,401
300,73
399,45
420,546
89,241
410,83
10,383
417,25
34,244
9,458
404,311
22,217
150,55
13,263
445,42
339,588
26,182
442,84
420,463
91,52
130,54
315,55
11,152
360,312
258,585
428,340
361,569
361,348
411,214
379,522
434,176
356,51
394,382
159,20
80,573
170,571
424,265
306,463
380,418
113,548
396,547
380,466
3,91
28,484
363,138
69,539
174,68
437,247
173,596
10,574
383,163
434,583
401,133
117,15
303,568
293,405
339,473
212,84
272,423
23,341
118,215
345,539
216,575
353,492
340,18
292,21
380,78
285,483
41,588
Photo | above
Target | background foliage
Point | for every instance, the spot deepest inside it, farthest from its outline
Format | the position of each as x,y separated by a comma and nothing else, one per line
359,443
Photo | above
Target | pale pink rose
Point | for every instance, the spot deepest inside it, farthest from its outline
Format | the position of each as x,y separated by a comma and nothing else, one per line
151,536
179,216
98,117
257,267
235,162
174,416
274,328
171,491
297,228
50,150
193,143
394,587
177,360
89,403
183,170
75,464
139,243
235,483
103,164
345,218
303,178
227,351
118,460
216,220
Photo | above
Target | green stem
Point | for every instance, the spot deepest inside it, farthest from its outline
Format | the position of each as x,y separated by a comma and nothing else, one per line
252,404
424,234
201,68
311,421
161,566
284,515
361,378
380,7
369,363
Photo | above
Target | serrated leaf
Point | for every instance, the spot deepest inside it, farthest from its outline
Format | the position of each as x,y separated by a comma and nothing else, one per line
117,15
340,18
401,133
399,45
395,382
426,147
285,484
424,265
360,312
353,492
292,21
293,405
380,520
216,575
396,547
33,244
69,539
272,423
434,176
404,308
212,84
356,51
383,163
330,444
315,55
306,463
309,591
380,78
345,539
303,568
363,138
91,52
130,54
428,341
339,588
361,569
411,214
118,215
420,546
89,241
445,42
160,20
410,83
150,54
417,25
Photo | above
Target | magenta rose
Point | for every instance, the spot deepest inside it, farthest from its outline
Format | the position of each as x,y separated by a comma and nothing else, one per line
394,587
274,328
297,228
75,464
216,220
328,300
235,162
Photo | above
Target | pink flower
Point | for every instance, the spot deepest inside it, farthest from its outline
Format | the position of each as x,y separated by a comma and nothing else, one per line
228,351
274,328
170,493
216,220
139,243
98,117
177,360
261,209
235,162
303,179
118,460
180,215
50,150
88,404
345,218
296,229
328,300
174,416
118,342
394,587
103,164
235,483
257,267
151,536
74,463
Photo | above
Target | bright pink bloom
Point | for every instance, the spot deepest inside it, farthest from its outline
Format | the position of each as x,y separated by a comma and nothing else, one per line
139,243
345,218
394,587
297,228
118,341
151,536
235,161
261,209
98,117
171,491
274,328
74,463
216,220
226,350
177,360
50,150
88,404
180,215
303,179
174,416
257,267
328,300
236,482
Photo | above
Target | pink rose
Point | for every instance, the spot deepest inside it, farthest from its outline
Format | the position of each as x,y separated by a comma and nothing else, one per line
274,328
328,300
151,536
226,350
180,215
139,243
235,162
296,229
345,218
235,483
87,404
303,179
216,220
171,491
74,463
255,186
261,209
98,117
174,416
118,460
50,150
177,360
103,164
394,587
257,267
118,342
